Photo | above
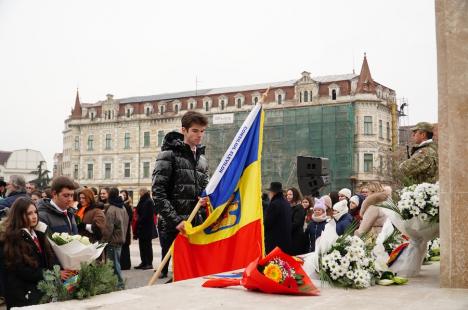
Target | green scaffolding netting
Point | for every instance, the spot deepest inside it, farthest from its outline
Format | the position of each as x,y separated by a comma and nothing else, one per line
319,131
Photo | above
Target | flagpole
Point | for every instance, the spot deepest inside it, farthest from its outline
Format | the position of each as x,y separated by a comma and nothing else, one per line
168,254
191,217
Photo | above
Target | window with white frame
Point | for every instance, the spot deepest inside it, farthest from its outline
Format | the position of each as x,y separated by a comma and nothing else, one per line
368,162
90,172
176,106
107,171
146,169
146,139
162,109
90,142
128,110
255,97
192,104
160,137
368,125
334,91
207,104
280,96
380,129
108,140
126,170
127,140
77,143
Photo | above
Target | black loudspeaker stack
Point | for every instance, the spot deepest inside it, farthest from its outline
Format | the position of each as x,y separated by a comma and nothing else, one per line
312,174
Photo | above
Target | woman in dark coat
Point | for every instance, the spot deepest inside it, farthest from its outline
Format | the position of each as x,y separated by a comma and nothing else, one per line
298,237
125,262
25,254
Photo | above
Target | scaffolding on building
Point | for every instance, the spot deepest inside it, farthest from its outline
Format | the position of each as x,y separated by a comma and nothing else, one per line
320,131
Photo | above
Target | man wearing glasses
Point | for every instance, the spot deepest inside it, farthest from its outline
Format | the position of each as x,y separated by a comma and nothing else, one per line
57,212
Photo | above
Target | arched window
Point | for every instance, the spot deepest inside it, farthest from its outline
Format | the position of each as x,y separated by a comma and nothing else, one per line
161,109
256,100
306,96
333,94
310,95
207,106
280,99
300,97
147,111
128,112
239,103
191,105
222,104
176,108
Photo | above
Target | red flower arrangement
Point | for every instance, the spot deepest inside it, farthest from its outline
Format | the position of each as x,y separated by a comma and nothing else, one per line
277,273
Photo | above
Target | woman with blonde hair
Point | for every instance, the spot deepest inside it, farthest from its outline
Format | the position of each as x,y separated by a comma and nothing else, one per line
373,217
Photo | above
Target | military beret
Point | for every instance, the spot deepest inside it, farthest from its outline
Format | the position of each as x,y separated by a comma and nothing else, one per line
424,126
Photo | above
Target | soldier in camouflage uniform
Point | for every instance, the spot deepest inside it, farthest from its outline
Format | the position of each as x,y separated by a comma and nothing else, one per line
423,162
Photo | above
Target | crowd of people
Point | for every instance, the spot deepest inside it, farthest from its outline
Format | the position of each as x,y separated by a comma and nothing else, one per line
291,222
106,215
294,223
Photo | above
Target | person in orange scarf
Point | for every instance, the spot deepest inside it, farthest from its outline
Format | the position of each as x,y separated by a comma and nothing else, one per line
92,221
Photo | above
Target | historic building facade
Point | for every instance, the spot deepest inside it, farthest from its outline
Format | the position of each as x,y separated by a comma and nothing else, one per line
115,141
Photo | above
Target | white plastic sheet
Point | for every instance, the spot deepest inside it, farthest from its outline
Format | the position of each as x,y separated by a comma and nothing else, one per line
420,232
72,254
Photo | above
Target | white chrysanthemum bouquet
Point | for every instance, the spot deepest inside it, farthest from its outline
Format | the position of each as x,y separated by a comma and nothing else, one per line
421,200
416,215
72,250
348,264
64,238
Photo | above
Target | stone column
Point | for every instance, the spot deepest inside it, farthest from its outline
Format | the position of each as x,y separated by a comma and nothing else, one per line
452,62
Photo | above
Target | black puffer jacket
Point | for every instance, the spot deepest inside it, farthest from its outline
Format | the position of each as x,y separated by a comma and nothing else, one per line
179,177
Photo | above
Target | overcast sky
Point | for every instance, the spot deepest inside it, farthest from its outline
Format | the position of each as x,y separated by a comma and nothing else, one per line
133,48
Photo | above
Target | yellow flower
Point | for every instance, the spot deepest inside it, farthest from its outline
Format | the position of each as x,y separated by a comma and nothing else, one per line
273,272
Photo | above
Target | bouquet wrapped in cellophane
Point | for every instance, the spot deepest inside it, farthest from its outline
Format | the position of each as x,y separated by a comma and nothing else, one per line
72,250
277,273
417,216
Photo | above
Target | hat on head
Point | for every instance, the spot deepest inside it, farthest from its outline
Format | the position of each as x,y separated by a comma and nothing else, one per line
354,199
345,192
423,126
320,204
341,206
2,183
275,187
327,201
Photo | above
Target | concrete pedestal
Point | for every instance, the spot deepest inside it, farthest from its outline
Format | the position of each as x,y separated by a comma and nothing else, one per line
452,62
422,293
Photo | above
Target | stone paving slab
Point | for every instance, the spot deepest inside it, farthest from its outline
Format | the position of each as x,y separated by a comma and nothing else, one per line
422,292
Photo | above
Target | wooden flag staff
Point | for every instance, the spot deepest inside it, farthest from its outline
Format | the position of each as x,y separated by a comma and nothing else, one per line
189,220
168,254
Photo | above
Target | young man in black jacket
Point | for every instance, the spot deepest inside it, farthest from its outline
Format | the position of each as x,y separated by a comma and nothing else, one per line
179,177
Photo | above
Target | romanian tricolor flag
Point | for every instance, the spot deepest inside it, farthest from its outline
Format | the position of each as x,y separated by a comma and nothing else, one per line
232,235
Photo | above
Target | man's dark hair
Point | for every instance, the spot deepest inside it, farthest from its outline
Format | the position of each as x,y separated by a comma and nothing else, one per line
429,135
192,117
2,183
95,191
62,182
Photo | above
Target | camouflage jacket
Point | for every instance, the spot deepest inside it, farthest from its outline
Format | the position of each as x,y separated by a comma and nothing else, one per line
423,165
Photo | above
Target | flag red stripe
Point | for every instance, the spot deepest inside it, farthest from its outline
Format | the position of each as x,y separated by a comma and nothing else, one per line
235,252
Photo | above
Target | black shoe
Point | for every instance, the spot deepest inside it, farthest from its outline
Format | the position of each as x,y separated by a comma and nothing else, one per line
147,267
163,275
139,266
168,281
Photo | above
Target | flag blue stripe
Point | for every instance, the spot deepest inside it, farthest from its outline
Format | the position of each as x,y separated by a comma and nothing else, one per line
246,155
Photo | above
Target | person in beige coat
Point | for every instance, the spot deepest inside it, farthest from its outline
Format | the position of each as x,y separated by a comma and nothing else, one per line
373,217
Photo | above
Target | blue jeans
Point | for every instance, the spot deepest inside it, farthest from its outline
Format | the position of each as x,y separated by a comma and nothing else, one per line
113,253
